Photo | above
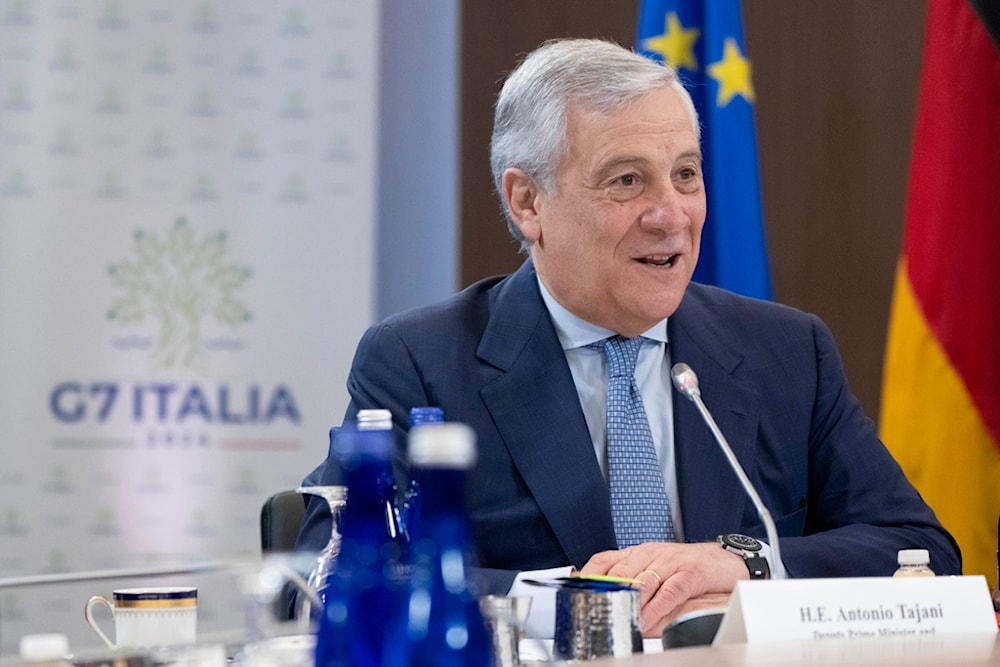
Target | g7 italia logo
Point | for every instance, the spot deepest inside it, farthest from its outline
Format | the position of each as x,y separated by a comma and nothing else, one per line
179,280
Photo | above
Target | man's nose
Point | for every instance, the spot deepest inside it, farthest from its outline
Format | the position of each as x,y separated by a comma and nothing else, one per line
665,210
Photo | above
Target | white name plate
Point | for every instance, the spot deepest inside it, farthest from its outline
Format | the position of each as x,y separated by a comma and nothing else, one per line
856,608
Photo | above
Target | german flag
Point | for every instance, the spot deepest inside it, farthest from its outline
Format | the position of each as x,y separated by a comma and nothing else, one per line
940,412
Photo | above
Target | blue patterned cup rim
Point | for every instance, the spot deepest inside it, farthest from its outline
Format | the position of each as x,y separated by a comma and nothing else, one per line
156,597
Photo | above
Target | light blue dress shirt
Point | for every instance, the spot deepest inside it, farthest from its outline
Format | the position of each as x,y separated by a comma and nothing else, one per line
652,373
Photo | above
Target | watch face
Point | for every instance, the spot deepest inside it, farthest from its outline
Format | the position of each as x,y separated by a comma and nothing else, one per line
742,542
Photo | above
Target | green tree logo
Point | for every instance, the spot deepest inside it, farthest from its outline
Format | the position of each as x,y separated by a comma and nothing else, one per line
178,281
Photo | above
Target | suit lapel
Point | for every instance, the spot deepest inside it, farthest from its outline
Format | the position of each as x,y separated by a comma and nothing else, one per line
712,500
537,411
535,407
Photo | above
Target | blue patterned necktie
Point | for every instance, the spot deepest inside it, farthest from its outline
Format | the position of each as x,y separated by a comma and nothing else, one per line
639,506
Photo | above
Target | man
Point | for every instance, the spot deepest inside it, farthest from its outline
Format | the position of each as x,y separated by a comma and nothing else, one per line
596,156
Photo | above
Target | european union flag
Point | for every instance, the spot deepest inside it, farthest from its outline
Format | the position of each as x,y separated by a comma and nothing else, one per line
704,42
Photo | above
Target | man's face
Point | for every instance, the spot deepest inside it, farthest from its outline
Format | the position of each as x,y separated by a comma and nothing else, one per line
616,244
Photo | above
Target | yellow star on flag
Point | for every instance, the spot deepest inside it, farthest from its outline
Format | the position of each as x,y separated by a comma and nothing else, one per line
676,44
732,73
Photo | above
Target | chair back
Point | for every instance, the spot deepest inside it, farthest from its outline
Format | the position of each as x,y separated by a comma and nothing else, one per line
280,518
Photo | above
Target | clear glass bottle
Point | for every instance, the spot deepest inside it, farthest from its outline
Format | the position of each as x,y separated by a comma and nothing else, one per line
443,625
913,563
363,594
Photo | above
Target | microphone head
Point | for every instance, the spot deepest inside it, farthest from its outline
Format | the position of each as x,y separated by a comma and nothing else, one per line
685,380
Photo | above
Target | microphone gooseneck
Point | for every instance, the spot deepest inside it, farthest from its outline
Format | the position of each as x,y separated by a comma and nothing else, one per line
686,383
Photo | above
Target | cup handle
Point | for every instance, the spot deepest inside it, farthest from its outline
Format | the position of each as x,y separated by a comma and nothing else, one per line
89,615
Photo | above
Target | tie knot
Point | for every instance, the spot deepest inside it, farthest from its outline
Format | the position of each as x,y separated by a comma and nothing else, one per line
622,354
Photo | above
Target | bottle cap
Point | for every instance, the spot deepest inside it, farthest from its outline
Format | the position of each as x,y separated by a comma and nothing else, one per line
445,445
913,557
375,419
36,648
426,415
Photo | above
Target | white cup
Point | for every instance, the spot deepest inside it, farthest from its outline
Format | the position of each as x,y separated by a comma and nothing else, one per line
148,617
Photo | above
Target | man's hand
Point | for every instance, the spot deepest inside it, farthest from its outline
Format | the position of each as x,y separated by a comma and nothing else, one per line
673,578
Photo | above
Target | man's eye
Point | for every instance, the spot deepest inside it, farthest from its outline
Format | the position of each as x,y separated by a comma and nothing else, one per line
628,179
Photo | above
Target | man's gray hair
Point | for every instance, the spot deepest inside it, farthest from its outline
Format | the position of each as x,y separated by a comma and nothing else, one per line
529,126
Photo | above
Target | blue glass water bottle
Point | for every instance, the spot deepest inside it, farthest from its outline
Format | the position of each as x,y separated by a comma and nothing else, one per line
410,505
443,625
378,419
363,594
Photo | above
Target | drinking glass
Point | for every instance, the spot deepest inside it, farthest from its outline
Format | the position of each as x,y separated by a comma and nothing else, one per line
336,498
272,639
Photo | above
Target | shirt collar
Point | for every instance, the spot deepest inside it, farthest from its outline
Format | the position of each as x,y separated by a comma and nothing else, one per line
576,332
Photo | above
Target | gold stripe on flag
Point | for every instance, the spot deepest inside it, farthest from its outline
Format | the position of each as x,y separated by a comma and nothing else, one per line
924,401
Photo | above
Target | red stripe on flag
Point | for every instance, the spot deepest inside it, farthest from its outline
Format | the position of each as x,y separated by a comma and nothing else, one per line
952,237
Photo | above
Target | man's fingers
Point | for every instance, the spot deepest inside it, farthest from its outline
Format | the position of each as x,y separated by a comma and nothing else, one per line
664,602
604,562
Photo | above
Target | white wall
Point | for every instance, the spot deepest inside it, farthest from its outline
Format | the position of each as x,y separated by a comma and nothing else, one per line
417,201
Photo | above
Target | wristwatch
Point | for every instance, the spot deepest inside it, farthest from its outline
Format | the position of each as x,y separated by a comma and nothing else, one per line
750,549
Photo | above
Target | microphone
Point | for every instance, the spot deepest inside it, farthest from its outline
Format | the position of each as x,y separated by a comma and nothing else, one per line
686,383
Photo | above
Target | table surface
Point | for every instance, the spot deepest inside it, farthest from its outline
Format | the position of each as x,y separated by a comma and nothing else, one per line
942,651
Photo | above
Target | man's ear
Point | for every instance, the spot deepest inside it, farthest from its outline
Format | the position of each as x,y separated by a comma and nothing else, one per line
522,195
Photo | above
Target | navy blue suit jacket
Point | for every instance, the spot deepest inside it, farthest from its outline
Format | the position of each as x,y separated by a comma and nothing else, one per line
771,375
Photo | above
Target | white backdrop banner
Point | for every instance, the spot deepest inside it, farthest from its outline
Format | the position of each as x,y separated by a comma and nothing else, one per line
186,263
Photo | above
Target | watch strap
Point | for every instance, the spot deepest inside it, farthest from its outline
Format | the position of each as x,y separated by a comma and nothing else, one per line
757,565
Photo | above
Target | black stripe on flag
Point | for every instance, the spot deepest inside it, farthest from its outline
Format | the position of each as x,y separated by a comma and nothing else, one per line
989,14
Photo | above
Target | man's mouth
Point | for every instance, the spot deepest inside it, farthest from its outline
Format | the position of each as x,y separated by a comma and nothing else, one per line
658,260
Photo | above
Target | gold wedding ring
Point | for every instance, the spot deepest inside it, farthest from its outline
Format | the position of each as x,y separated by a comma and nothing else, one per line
659,579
